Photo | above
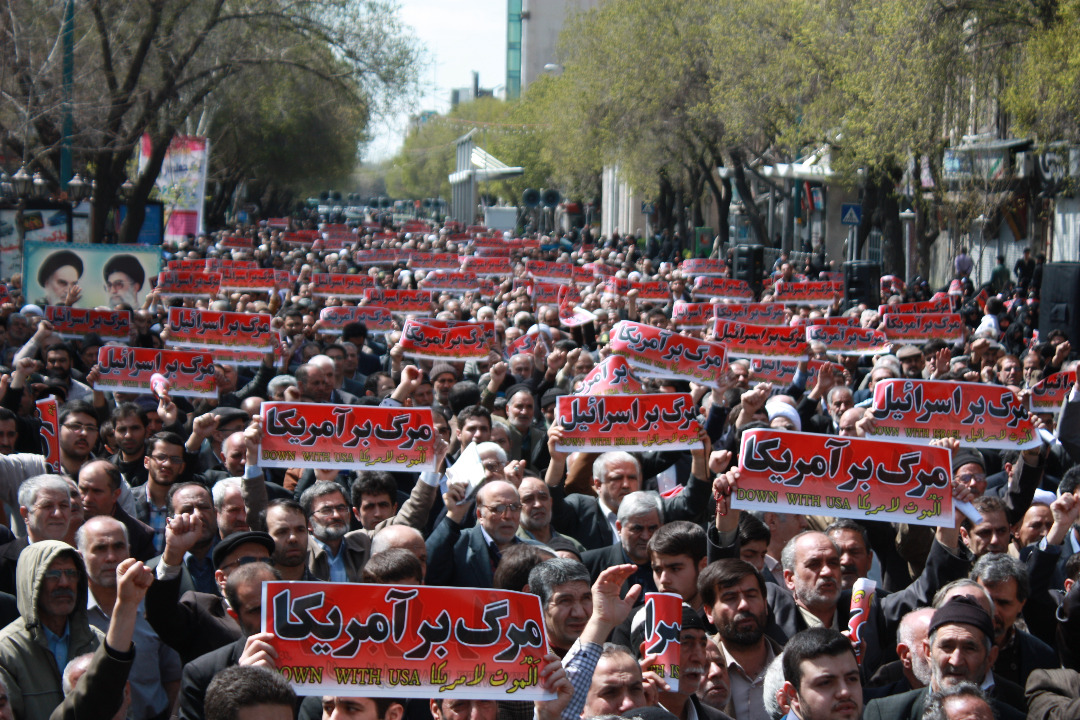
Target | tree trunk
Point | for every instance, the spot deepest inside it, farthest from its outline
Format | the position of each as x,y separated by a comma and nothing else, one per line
757,222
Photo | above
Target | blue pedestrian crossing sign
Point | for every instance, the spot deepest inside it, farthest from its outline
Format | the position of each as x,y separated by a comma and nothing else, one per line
851,214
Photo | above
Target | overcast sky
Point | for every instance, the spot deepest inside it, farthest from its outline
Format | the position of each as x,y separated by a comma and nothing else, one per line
458,37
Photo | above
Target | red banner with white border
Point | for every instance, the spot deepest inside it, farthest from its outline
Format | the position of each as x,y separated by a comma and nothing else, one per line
845,340
745,341
978,415
127,369
464,342
350,287
728,288
72,323
811,292
940,305
703,267
752,313
377,319
838,321
188,284
453,282
346,437
1048,394
924,327
693,316
252,279
210,330
654,352
401,301
649,290
628,422
498,267
810,474
781,371
611,376
434,261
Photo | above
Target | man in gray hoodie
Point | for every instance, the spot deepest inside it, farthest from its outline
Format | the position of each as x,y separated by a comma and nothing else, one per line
53,628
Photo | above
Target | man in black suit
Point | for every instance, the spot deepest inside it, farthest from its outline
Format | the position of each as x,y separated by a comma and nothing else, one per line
197,623
591,520
99,487
961,649
638,519
243,592
468,557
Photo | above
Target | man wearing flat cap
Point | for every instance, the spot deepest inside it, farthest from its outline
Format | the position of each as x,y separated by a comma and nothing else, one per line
198,623
961,648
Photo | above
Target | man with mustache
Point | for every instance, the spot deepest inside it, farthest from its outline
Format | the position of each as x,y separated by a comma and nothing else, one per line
961,649
52,630
693,665
734,597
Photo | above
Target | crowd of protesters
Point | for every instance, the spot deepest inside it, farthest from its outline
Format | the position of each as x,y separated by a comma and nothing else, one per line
131,575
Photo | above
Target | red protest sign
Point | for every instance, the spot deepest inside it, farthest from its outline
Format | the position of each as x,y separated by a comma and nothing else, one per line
663,628
188,284
692,316
346,437
628,422
655,352
527,344
72,323
434,261
300,237
488,326
812,292
743,340
236,241
468,341
456,283
647,290
703,266
488,266
251,279
923,327
706,286
546,293
549,271
979,416
50,431
1048,394
840,320
190,373
806,473
846,340
938,305
572,316
611,376
209,329
781,371
400,301
380,256
333,319
406,641
752,313
340,285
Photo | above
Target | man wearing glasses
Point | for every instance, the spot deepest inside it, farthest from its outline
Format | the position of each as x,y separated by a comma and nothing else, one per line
45,507
164,460
197,623
53,629
124,277
78,436
468,558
